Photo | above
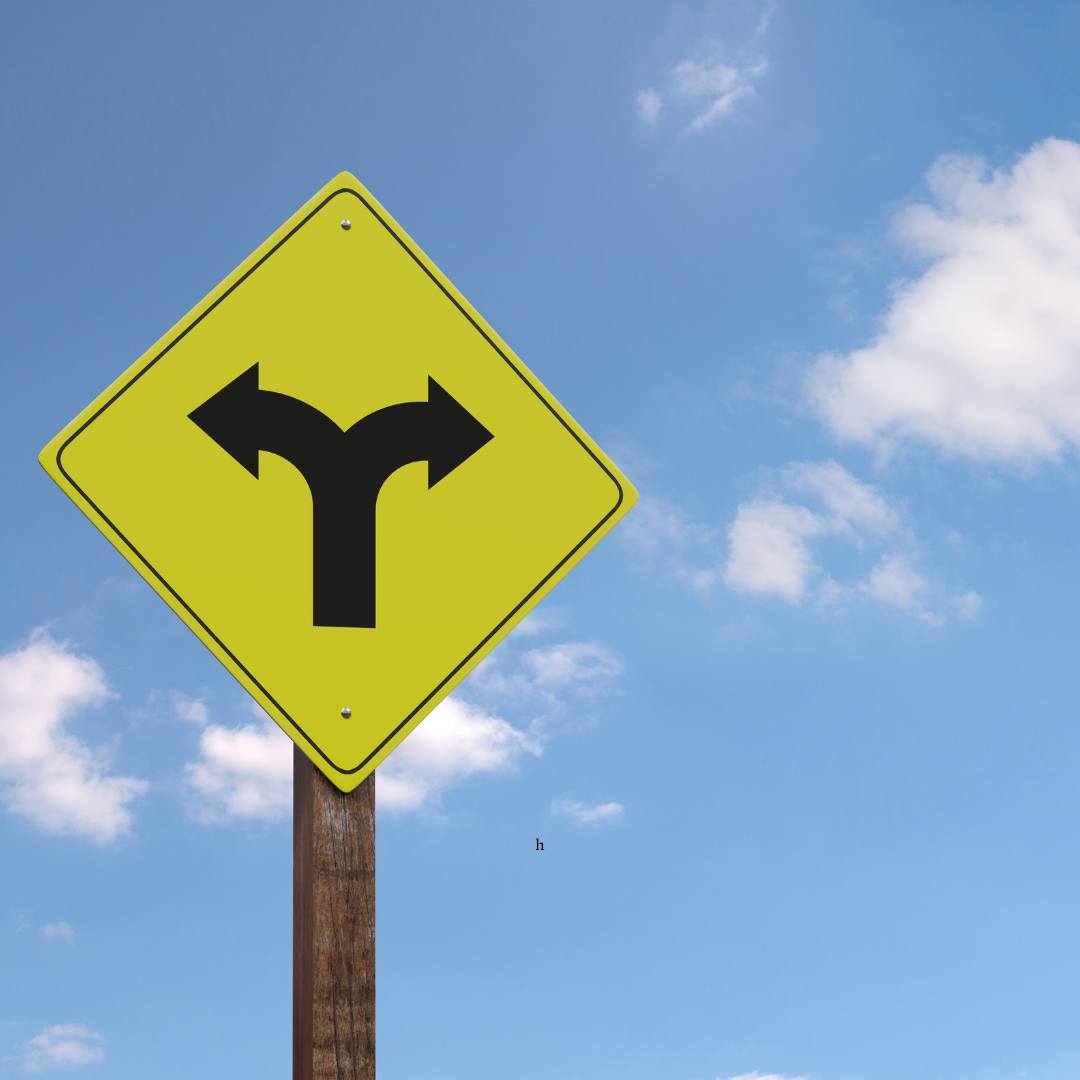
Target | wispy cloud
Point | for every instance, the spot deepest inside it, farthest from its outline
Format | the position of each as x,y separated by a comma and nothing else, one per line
63,1044
706,87
854,508
540,622
714,87
755,1075
979,356
47,774
583,814
546,676
58,929
660,531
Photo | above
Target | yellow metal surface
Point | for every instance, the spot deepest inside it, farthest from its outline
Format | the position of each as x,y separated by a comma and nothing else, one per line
348,321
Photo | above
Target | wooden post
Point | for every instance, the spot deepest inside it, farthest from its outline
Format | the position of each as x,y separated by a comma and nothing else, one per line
333,927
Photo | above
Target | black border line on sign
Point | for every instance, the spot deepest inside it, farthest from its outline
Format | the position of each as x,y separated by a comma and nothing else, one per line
517,371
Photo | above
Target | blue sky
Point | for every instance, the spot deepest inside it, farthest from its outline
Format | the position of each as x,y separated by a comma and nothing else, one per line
799,737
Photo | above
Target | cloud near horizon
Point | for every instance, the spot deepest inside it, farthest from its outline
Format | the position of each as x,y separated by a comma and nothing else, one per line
979,356
47,774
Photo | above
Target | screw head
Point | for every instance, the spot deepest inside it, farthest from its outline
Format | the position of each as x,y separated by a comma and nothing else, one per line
346,712
346,224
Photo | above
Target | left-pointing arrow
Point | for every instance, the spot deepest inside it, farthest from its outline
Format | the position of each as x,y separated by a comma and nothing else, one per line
344,470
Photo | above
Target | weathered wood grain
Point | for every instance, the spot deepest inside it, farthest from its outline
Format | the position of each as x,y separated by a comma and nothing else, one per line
333,927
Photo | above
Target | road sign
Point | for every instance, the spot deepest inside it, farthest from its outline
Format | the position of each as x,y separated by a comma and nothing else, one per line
340,477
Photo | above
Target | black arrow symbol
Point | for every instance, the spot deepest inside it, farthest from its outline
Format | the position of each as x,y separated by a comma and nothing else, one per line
345,471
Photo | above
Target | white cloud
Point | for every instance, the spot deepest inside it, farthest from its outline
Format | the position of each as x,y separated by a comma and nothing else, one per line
777,541
193,710
456,741
59,929
242,773
583,814
969,605
48,774
980,355
649,104
894,581
63,1044
770,552
245,773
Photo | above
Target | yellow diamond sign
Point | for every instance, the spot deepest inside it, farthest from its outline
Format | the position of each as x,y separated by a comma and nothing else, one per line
340,477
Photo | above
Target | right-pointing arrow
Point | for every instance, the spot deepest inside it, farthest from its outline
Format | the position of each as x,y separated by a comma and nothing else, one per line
454,434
